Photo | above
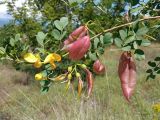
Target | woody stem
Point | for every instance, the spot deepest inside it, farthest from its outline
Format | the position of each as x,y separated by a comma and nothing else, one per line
124,25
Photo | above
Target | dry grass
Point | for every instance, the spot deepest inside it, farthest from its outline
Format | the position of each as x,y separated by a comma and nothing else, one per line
20,102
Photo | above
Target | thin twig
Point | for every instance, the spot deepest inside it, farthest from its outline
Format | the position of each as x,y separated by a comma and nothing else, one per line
150,37
124,25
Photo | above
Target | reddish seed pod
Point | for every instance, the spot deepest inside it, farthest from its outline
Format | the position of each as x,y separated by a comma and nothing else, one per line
89,78
98,67
80,86
76,34
78,49
127,74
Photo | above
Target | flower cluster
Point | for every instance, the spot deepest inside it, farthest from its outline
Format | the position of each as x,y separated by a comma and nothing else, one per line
37,63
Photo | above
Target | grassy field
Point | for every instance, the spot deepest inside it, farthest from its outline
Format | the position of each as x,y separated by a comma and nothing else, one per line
24,102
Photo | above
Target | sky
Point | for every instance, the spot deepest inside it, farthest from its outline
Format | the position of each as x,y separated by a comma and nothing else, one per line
3,9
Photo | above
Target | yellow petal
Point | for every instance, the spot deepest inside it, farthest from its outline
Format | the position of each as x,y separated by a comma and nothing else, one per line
48,59
29,57
56,57
39,76
52,57
37,64
53,66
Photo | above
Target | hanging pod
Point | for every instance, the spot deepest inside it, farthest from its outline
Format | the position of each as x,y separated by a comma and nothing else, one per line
127,74
78,48
98,67
77,33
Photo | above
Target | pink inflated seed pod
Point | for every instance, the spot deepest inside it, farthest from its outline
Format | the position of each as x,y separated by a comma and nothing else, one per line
76,34
89,78
98,67
127,74
78,48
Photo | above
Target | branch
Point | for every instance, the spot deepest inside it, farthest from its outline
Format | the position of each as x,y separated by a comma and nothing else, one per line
124,25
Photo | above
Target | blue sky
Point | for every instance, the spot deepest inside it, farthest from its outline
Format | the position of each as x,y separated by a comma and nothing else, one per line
3,9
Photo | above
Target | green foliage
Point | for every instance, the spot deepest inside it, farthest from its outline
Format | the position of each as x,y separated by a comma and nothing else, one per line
139,54
154,68
61,24
40,38
108,39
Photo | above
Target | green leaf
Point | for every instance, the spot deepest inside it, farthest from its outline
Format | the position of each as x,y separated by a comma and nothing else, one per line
96,41
44,73
157,59
44,90
80,1
42,82
135,24
139,54
63,34
61,24
152,76
58,25
158,72
131,33
100,50
92,56
126,48
108,39
118,42
142,31
156,68
134,2
12,42
56,34
2,50
137,9
45,83
135,45
129,39
123,34
101,39
149,71
64,22
71,1
145,43
139,42
148,77
40,38
17,37
41,50
152,64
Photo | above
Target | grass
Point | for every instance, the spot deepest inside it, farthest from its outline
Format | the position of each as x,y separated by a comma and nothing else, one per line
19,102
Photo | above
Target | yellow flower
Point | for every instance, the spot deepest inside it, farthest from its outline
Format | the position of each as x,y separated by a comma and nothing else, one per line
31,58
156,107
39,76
38,63
51,58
